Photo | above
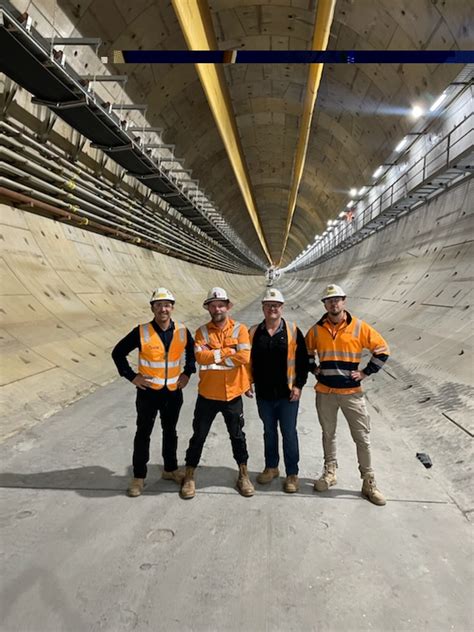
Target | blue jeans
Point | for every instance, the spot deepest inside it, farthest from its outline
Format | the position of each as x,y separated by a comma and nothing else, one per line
271,412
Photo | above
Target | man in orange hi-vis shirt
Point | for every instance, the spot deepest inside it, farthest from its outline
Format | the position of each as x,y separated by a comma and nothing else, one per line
222,349
337,340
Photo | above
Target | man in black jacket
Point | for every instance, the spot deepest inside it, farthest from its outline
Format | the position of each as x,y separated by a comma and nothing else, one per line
163,348
279,369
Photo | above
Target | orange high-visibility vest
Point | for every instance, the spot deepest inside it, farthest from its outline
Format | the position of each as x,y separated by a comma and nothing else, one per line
161,367
291,330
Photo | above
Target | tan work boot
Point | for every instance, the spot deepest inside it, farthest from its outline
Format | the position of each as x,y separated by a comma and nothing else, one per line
244,485
291,484
327,479
267,476
370,491
175,475
188,487
136,487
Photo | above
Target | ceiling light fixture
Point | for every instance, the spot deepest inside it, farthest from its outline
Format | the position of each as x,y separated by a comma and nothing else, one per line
438,102
401,144
378,172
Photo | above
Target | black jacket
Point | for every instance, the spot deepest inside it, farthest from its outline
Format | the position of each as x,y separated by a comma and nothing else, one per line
268,359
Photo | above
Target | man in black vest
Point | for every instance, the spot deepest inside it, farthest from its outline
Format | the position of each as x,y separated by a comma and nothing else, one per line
279,369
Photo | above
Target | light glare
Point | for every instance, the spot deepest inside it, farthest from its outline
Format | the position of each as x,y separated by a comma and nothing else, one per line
417,111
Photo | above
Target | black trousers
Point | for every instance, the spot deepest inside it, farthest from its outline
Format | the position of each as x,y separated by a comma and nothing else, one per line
149,402
204,414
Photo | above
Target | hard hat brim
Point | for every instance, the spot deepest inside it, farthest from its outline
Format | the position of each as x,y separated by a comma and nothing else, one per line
223,300
333,296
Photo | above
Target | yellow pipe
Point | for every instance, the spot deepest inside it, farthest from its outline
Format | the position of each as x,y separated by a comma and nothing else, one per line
322,28
196,23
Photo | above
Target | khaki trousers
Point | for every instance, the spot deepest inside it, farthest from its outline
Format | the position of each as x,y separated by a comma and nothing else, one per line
355,411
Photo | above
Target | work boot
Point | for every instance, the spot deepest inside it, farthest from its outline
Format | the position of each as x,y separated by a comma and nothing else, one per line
175,475
370,491
244,485
188,487
328,477
136,487
267,476
291,484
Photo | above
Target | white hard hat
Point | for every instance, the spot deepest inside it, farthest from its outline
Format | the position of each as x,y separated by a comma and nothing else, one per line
332,291
272,295
162,294
216,294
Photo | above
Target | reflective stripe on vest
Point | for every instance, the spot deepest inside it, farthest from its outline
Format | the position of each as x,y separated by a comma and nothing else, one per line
342,372
357,327
332,354
204,333
160,367
215,367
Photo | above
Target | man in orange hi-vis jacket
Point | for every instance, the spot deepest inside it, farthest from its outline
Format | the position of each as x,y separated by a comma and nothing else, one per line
337,341
222,349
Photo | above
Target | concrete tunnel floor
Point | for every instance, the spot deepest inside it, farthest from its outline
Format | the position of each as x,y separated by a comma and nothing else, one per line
78,554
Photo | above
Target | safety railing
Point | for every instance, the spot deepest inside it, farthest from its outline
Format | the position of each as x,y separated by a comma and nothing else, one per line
449,160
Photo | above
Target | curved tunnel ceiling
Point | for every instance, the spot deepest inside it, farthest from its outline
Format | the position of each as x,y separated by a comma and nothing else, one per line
361,110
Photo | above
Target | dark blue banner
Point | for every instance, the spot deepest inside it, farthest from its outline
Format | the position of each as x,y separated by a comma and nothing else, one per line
295,57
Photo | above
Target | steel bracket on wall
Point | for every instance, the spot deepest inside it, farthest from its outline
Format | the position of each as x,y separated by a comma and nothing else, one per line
47,125
9,91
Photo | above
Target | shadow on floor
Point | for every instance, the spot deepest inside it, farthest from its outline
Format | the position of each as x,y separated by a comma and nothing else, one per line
96,480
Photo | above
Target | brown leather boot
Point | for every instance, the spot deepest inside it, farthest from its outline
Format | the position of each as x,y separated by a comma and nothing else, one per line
188,487
244,485
175,475
136,487
327,479
291,484
267,476
370,491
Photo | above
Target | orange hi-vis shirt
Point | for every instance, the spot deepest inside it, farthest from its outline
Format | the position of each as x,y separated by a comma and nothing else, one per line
339,351
222,355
